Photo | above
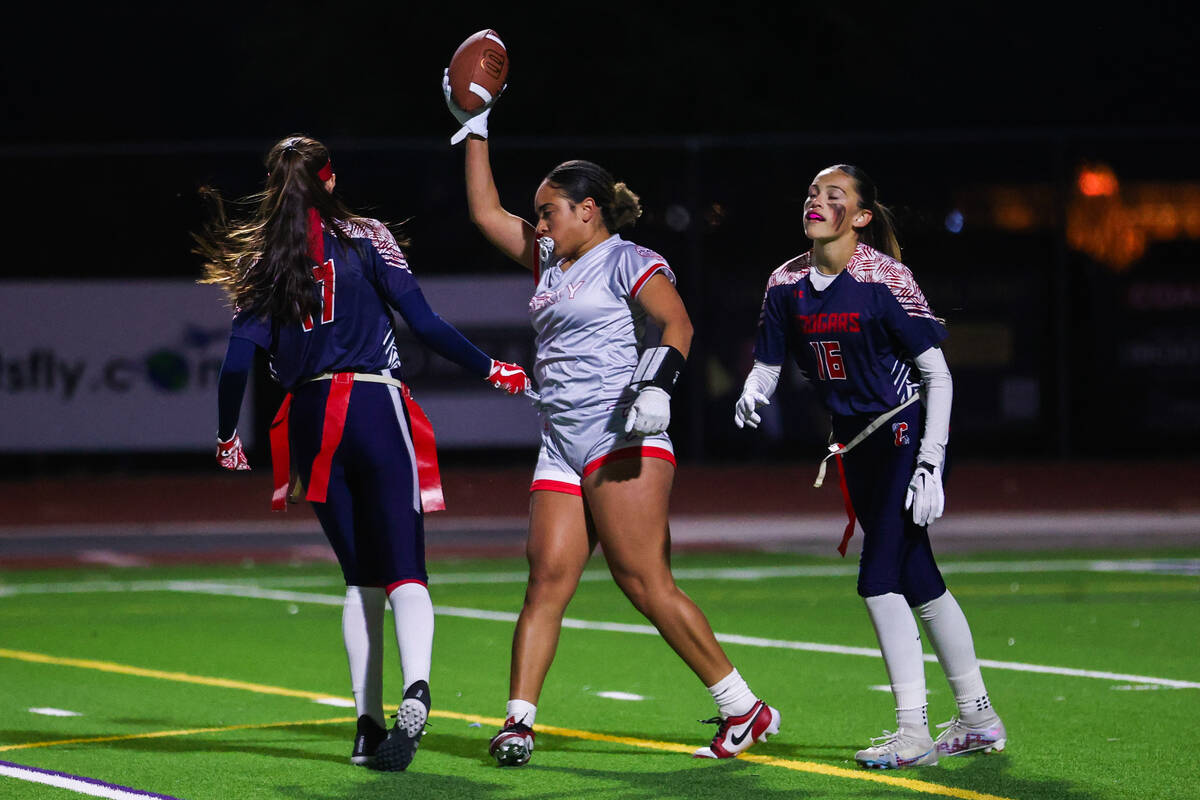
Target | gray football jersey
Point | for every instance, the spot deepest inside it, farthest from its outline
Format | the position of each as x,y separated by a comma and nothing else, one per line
590,327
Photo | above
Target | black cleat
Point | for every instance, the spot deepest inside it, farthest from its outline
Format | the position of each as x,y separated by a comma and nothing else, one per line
397,751
370,735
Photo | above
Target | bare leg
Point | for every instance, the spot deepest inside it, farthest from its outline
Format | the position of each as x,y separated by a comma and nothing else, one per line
560,542
628,500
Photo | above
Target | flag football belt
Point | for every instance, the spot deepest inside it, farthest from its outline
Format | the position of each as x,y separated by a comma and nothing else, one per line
336,406
836,451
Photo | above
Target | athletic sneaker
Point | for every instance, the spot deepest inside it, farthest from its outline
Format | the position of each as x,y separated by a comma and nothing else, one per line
370,735
397,751
513,745
735,734
899,750
960,739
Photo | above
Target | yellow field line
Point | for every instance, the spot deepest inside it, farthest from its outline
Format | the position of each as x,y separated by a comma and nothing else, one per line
799,766
179,677
647,744
161,734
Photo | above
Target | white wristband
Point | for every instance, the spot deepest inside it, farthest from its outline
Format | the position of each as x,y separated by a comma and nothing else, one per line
763,378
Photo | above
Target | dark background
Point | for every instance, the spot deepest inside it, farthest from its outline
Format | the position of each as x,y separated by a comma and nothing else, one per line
114,116
136,72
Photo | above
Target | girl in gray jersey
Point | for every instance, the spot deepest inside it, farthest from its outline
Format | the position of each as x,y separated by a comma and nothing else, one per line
606,464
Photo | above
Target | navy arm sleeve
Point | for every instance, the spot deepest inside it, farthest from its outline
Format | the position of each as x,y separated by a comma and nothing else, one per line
439,335
231,385
394,278
771,345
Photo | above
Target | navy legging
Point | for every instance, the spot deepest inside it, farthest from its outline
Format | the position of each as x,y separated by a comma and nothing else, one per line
371,514
896,555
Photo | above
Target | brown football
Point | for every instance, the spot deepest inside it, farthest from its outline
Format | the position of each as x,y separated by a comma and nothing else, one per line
478,70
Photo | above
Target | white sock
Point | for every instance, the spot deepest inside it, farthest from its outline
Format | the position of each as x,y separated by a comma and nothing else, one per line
412,609
521,711
733,695
950,636
900,643
915,720
362,631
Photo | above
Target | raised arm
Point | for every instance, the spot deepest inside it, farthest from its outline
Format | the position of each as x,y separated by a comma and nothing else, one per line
509,233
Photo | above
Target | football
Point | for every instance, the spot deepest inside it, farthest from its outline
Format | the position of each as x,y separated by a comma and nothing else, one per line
478,70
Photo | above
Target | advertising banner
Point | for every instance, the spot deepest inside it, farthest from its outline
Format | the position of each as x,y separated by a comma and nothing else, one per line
132,366
111,366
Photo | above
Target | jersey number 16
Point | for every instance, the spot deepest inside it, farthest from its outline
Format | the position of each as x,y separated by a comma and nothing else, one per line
830,366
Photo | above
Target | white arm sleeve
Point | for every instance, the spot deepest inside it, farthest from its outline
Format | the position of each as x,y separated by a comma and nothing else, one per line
938,392
762,378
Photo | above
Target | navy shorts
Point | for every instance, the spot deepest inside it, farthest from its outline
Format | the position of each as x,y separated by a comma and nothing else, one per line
372,512
896,555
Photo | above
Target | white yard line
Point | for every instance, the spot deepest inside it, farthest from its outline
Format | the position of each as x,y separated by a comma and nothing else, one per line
648,630
1158,566
260,591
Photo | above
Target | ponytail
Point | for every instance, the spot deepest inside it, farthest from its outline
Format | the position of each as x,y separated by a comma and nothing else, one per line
265,264
283,277
624,209
880,232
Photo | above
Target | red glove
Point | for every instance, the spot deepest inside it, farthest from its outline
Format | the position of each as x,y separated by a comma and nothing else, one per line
230,454
509,377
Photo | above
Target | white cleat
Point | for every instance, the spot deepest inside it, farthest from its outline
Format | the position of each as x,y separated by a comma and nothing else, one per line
960,739
899,750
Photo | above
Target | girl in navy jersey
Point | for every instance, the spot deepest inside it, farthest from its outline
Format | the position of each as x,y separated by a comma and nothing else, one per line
314,285
606,464
857,325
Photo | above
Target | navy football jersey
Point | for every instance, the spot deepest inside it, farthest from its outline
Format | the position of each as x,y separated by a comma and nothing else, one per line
854,340
355,329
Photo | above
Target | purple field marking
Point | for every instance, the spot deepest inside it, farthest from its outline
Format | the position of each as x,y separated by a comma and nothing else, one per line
125,790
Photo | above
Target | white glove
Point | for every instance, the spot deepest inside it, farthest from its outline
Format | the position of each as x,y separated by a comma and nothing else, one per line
472,121
650,412
745,413
756,392
925,496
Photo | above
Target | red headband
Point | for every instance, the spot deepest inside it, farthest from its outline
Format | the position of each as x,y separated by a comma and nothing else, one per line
324,173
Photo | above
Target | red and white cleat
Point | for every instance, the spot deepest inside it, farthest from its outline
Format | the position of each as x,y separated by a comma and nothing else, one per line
736,734
513,745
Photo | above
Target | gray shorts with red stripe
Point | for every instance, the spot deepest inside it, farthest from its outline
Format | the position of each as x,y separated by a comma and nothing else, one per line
577,442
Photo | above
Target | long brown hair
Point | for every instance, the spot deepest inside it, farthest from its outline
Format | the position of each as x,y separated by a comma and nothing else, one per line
263,263
880,232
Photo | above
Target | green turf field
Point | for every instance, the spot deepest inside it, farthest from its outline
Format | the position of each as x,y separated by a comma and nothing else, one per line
205,682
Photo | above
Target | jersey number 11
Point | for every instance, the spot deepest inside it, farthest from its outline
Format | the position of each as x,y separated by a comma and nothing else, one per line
324,277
